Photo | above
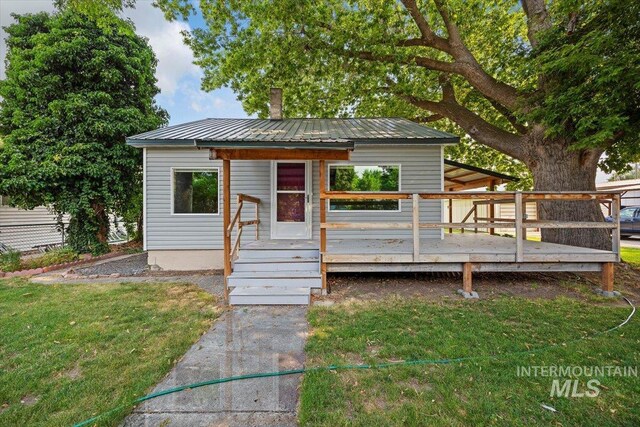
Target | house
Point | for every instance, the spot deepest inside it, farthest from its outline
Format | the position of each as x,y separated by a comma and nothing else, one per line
277,203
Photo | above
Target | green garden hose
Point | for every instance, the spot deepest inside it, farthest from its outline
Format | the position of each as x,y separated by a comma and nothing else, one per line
347,367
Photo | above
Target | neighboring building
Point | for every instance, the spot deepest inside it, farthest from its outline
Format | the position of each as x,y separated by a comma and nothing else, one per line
28,230
629,189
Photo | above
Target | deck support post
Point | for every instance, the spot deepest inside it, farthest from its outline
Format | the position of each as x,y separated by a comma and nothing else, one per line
323,219
467,282
226,219
607,281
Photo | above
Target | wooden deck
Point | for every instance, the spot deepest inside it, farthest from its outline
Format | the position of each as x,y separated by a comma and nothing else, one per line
458,248
456,252
483,250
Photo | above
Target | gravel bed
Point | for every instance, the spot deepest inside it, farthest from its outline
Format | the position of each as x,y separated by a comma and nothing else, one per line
130,266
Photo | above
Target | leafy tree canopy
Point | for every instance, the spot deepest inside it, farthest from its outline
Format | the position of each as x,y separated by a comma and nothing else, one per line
551,84
73,91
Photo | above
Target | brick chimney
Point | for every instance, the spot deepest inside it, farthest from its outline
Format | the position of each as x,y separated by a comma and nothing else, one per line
275,104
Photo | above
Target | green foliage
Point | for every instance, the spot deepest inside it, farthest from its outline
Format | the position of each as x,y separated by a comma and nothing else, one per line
364,178
52,257
73,91
10,260
592,73
205,192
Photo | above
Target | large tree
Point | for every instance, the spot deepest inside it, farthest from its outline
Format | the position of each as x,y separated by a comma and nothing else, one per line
552,84
73,91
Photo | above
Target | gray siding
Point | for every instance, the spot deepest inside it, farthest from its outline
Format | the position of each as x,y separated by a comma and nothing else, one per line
421,170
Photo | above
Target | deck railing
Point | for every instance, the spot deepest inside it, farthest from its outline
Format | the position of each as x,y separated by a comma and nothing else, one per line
519,223
237,221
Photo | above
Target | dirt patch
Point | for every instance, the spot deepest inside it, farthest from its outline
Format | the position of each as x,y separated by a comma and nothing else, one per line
73,373
29,400
350,287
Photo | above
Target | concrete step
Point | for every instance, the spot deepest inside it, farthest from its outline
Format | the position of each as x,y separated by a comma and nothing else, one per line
287,278
269,295
276,264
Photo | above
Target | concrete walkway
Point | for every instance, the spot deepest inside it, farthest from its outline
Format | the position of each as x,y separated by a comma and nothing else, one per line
244,340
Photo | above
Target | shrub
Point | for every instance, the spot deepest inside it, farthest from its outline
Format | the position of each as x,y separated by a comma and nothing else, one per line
10,261
55,256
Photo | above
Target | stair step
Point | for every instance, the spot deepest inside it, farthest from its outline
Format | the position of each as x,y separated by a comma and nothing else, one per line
293,282
276,264
269,295
260,253
277,260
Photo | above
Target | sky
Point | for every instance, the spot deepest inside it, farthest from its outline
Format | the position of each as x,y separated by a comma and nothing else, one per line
178,78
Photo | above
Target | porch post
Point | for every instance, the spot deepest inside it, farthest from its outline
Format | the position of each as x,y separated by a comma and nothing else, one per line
226,220
492,206
323,220
450,213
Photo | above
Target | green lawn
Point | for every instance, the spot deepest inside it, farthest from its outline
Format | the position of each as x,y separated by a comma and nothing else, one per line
631,256
68,352
479,392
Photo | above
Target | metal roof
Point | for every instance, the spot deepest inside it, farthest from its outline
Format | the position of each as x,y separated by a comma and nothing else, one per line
459,176
317,133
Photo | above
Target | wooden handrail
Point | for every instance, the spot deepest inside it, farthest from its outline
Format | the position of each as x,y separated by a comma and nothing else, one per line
246,198
237,219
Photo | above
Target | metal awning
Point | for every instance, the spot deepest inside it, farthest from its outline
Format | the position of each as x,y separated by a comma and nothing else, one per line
458,177
305,133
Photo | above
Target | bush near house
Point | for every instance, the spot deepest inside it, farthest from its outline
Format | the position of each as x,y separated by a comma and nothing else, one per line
12,260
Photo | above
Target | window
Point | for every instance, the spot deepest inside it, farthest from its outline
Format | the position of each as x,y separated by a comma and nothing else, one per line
364,178
628,213
195,191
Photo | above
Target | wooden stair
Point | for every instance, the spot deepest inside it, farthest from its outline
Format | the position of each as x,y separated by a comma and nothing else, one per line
275,272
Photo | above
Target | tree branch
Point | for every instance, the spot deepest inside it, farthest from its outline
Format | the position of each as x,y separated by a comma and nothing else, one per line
432,64
474,125
519,127
431,39
452,28
538,19
465,63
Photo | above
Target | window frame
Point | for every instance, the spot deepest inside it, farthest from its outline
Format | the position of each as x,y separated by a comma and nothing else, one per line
173,171
362,164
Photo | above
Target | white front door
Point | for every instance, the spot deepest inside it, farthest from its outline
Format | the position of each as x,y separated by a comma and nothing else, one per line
290,199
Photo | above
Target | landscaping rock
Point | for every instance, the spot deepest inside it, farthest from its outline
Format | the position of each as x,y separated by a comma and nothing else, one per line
122,266
469,295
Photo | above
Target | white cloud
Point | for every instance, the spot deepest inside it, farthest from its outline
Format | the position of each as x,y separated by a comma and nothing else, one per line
175,59
7,7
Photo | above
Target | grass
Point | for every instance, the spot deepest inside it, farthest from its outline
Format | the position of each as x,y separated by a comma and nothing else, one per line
631,256
69,352
11,261
479,392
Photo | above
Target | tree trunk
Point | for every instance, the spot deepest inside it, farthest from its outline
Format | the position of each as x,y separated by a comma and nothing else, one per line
556,168
102,219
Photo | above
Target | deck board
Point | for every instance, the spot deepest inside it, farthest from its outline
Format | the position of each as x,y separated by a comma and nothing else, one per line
454,248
